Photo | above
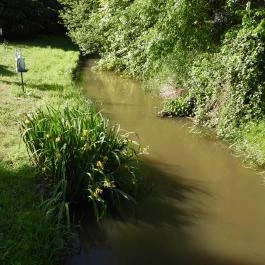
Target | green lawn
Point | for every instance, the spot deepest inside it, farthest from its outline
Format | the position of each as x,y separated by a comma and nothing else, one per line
27,235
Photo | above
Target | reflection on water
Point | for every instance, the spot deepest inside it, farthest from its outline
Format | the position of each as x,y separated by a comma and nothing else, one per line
204,209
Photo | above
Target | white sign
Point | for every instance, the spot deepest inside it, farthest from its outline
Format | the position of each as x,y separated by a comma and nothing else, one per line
20,62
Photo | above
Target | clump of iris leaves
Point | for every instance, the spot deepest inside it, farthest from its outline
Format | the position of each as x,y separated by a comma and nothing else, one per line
82,159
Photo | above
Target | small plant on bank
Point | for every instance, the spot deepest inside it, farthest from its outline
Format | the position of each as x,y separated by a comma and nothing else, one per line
183,107
83,157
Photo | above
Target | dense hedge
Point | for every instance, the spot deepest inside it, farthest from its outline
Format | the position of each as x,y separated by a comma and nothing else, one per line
144,38
214,49
134,36
227,88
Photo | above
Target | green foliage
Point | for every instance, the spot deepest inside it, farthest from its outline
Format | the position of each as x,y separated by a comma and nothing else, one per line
239,5
245,63
251,143
136,36
82,156
228,87
213,49
182,107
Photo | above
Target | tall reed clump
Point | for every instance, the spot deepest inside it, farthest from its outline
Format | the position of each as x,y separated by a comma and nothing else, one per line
83,157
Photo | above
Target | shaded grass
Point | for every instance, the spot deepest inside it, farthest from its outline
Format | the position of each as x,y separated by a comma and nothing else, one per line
54,42
4,71
27,235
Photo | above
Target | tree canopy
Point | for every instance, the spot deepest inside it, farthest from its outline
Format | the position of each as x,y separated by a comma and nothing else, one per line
21,18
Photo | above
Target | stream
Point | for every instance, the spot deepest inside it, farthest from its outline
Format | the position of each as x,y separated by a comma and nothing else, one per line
205,207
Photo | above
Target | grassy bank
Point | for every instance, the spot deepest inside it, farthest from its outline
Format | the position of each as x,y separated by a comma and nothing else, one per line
78,159
27,235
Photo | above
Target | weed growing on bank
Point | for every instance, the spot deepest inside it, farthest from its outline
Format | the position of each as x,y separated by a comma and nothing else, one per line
83,158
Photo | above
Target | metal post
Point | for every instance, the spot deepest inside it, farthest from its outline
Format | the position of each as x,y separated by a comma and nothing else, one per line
22,83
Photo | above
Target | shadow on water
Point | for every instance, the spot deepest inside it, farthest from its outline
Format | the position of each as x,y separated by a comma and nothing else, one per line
4,71
153,235
211,259
159,233
166,204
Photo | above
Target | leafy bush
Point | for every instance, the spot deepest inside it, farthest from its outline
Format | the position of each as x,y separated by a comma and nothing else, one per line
228,87
251,143
135,37
181,107
152,38
85,158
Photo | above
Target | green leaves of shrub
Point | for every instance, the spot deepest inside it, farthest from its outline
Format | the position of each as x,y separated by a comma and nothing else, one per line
228,87
182,107
82,156
135,36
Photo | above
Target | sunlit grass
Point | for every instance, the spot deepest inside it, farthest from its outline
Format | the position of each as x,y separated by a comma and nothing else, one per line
49,80
27,235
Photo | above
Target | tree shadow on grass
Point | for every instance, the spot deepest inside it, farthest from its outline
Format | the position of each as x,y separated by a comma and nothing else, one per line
47,87
5,71
12,183
15,178
11,83
45,41
15,184
42,87
26,235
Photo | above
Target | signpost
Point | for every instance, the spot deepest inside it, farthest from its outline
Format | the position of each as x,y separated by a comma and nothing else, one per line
20,66
1,34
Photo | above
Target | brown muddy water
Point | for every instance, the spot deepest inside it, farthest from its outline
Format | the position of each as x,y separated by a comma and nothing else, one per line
205,207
